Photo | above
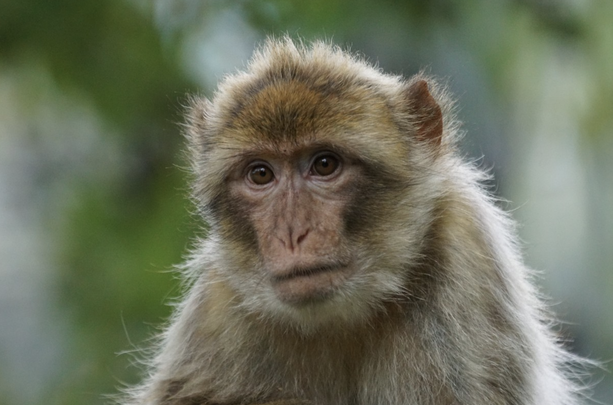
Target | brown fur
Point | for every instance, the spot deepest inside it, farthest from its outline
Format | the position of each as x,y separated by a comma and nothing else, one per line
431,304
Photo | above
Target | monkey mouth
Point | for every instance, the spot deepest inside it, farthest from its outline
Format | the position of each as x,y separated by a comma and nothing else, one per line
303,285
297,272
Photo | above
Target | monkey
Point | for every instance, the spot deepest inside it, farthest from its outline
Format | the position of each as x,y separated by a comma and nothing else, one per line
353,256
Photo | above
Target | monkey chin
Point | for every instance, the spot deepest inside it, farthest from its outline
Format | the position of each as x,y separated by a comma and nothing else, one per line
311,285
330,299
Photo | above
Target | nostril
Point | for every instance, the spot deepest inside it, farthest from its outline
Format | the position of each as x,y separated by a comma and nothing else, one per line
281,240
301,237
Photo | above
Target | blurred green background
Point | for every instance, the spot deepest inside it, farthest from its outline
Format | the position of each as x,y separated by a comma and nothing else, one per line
93,195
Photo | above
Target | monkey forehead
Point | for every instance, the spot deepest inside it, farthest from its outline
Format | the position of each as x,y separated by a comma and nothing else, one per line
290,110
290,115
291,92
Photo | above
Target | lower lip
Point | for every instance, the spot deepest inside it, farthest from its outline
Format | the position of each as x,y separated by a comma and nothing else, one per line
307,288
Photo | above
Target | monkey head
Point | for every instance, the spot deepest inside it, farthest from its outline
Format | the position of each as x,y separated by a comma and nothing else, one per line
314,173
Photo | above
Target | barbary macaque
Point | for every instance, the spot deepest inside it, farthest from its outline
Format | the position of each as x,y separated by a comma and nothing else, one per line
352,256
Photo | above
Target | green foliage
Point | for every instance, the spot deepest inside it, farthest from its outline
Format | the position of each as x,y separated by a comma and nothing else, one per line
121,239
117,278
109,49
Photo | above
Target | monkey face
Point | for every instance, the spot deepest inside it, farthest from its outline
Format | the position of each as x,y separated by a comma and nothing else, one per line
314,224
296,202
301,212
311,185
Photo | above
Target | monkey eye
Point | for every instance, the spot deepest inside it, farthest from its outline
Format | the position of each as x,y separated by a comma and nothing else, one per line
325,165
261,175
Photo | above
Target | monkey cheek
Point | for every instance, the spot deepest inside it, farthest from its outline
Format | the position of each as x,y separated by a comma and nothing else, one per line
310,289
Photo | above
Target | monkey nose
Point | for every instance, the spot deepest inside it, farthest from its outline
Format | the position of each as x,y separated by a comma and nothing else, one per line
293,240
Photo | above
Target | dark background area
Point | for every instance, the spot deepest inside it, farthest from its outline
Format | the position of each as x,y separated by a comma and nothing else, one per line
93,192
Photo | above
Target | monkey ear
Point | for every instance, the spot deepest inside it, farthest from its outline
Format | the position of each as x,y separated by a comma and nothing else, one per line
427,115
